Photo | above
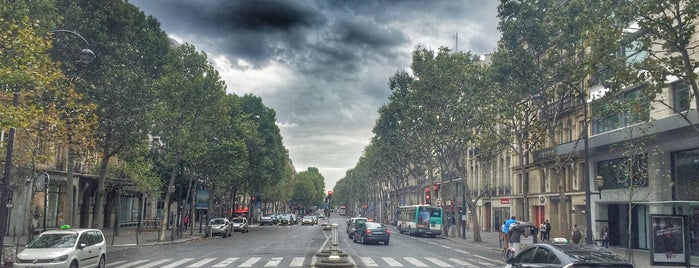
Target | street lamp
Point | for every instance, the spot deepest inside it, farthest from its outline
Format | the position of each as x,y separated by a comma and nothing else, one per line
586,155
85,56
599,183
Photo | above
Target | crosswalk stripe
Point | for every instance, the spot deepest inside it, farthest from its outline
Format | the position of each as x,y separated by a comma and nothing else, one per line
274,262
202,262
178,263
297,262
114,263
133,263
250,262
415,262
226,262
463,263
368,261
155,263
438,262
391,261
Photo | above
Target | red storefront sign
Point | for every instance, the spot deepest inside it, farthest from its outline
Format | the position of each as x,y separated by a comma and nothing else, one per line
505,201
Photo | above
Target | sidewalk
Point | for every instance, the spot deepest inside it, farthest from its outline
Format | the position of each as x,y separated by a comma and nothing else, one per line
491,240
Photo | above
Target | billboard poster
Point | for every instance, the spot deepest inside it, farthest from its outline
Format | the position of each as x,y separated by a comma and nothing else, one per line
668,241
202,201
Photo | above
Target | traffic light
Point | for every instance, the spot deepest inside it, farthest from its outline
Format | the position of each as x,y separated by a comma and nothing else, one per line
330,194
427,199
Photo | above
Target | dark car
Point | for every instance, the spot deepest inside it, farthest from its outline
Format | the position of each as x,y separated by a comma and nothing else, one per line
352,225
553,255
371,232
285,219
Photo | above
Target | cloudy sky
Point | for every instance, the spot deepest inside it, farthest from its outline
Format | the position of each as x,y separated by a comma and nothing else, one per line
323,66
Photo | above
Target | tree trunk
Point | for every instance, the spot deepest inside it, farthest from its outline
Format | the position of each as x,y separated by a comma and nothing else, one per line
98,215
168,196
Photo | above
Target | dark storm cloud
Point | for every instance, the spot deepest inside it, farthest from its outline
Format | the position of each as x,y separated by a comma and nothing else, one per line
323,65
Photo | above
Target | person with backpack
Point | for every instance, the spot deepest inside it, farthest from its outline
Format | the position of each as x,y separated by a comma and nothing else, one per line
576,235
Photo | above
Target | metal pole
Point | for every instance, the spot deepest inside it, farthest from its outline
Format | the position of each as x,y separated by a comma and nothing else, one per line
46,198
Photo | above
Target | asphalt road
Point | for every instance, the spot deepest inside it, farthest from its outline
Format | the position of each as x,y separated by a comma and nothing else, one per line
295,246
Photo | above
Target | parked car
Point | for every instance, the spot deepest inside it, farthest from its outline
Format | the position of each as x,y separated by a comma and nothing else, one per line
351,225
240,224
65,247
569,255
308,220
219,226
371,232
266,220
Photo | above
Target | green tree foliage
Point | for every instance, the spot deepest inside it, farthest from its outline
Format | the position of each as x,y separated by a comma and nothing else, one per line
130,49
192,102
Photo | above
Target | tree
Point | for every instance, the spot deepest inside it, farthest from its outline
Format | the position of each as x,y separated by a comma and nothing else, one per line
191,96
130,50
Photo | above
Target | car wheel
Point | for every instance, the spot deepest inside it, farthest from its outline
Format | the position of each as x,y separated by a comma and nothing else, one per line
74,264
102,263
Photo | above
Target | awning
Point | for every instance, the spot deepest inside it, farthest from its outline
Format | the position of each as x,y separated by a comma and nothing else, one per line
242,210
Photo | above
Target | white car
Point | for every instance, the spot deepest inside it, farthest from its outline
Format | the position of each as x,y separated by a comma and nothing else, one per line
65,248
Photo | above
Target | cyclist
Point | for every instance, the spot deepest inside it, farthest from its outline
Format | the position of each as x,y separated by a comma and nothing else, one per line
515,231
506,229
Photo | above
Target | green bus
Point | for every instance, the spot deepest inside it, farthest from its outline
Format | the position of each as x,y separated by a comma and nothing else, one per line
419,220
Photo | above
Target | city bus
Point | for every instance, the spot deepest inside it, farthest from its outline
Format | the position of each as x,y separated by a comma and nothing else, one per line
420,220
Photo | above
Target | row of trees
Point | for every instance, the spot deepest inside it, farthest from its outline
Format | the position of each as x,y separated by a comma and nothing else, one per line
140,85
451,102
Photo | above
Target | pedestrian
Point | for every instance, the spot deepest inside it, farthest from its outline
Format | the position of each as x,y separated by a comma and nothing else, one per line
515,232
186,222
542,231
548,230
506,230
605,237
576,235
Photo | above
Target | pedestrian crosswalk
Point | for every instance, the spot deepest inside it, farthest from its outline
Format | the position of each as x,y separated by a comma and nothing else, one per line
387,261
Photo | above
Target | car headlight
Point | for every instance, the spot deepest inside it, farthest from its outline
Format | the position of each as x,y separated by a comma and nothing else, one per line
61,258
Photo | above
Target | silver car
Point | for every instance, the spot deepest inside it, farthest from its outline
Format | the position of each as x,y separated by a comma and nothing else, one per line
240,224
219,226
65,248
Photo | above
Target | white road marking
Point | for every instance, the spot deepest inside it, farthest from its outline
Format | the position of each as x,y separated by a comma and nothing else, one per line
391,261
202,262
438,262
368,261
133,263
415,262
250,262
155,263
297,262
225,262
178,263
274,262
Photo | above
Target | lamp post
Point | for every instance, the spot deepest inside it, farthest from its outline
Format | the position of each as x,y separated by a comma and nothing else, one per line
85,56
586,157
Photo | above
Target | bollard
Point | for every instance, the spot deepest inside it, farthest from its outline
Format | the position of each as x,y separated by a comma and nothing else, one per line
334,243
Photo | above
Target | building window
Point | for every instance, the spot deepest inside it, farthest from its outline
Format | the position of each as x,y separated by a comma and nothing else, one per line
626,109
685,167
680,96
624,172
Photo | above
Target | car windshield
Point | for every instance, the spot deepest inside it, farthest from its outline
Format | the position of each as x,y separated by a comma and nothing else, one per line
217,221
374,225
60,240
238,220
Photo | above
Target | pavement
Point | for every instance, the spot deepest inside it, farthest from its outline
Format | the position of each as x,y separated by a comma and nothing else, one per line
130,237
